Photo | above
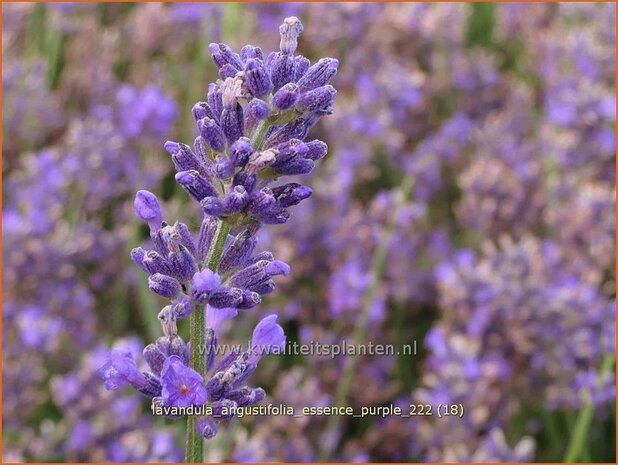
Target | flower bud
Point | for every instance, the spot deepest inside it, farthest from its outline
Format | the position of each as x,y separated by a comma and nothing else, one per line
238,252
163,285
319,74
317,150
289,31
257,109
202,110
286,97
317,100
195,184
250,51
256,78
291,194
206,428
225,297
236,200
240,151
154,358
148,209
223,54
212,134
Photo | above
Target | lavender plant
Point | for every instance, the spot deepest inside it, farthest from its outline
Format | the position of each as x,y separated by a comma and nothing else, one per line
498,261
251,133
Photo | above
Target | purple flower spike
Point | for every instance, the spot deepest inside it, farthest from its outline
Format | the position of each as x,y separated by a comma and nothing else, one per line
148,209
267,337
120,370
181,385
251,129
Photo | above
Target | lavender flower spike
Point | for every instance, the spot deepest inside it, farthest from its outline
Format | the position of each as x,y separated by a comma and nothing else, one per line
251,126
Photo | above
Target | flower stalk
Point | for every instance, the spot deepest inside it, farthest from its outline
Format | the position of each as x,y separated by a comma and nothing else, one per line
251,134
194,451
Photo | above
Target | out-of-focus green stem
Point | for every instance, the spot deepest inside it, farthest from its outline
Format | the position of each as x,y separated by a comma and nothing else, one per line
232,14
195,443
584,419
377,270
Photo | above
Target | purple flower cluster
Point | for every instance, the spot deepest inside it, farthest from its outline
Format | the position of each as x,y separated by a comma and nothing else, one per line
251,132
171,383
487,162
176,266
515,324
60,260
91,432
469,211
31,113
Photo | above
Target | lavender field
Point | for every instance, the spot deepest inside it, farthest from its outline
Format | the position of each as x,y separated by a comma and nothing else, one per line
345,232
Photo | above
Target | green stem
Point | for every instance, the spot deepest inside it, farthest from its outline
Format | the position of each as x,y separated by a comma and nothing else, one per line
584,419
195,443
259,134
377,270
